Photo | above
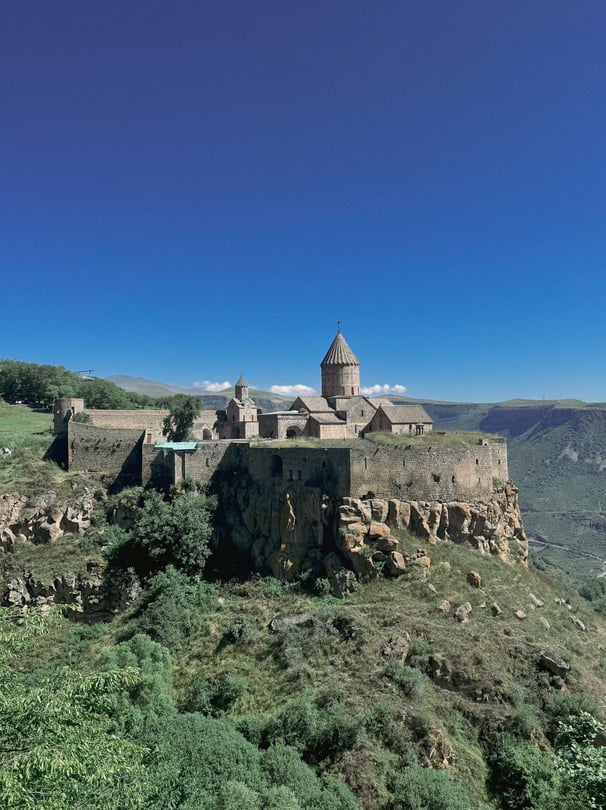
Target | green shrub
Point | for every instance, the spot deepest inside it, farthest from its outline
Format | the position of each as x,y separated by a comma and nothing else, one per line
226,691
524,777
192,759
151,696
319,735
411,681
172,607
416,788
284,767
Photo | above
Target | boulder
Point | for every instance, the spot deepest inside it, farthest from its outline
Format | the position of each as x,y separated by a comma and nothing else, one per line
551,662
474,579
394,564
463,612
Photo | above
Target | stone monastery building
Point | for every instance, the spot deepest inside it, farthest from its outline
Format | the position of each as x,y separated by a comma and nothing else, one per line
340,413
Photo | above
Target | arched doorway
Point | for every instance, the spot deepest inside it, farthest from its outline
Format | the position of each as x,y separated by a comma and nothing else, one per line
277,467
293,432
206,434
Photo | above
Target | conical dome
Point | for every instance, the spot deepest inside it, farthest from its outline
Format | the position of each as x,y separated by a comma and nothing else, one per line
340,370
241,389
339,353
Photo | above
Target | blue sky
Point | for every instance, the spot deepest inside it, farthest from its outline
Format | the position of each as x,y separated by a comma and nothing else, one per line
193,189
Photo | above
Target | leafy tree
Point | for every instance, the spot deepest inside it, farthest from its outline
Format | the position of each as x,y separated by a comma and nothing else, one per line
36,384
179,422
175,533
580,763
59,749
103,395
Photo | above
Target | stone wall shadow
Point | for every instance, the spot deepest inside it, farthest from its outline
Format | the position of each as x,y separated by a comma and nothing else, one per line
130,472
57,451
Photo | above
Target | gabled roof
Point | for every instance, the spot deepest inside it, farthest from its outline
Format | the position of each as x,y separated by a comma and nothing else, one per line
406,414
377,401
311,404
327,419
345,403
339,353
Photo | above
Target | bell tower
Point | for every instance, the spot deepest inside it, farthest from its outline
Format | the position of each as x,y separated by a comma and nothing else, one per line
340,370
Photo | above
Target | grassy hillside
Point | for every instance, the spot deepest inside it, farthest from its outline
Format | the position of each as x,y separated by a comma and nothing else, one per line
302,702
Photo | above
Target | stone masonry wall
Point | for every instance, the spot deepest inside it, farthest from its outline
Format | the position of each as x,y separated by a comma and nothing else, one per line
432,473
98,449
141,419
325,468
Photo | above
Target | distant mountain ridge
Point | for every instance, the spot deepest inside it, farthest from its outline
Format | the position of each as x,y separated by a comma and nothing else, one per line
266,400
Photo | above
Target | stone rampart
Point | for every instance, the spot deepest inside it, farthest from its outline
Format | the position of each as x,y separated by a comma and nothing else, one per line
150,420
325,468
97,449
440,472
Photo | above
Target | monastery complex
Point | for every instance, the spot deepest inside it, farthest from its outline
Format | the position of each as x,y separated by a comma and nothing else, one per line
241,442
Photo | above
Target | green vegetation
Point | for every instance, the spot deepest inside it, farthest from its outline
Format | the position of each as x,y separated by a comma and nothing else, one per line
39,385
259,694
180,420
433,438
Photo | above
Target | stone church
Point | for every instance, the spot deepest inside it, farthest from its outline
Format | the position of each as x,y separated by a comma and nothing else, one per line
340,413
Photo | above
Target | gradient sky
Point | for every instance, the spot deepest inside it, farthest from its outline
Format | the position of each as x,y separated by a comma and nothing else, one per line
193,189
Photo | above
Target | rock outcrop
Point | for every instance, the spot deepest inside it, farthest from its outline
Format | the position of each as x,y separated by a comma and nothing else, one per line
298,531
43,519
89,595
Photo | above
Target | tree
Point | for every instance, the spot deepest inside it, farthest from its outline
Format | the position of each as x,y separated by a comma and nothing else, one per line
59,749
581,763
175,533
103,395
179,422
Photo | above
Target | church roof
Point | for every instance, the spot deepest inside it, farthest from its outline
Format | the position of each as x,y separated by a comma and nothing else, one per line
406,414
242,381
326,419
339,353
311,404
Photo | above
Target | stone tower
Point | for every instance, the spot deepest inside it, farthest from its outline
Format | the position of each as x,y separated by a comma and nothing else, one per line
340,370
241,389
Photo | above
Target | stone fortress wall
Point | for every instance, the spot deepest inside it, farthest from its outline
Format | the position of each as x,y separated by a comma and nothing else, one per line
440,472
444,472
99,449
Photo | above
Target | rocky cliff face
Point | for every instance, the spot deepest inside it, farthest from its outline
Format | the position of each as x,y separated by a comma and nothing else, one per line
90,595
43,519
299,532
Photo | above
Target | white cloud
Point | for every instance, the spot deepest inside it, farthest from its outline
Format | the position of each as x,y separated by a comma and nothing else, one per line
293,390
383,390
213,387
